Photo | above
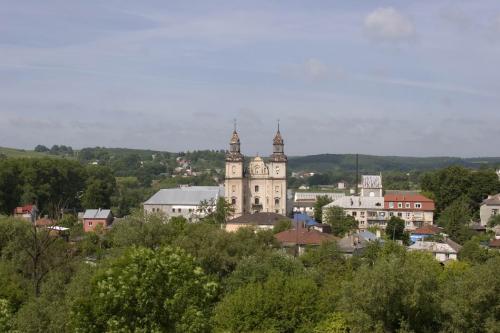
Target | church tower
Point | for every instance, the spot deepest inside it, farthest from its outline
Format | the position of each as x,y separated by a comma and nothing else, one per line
277,177
235,182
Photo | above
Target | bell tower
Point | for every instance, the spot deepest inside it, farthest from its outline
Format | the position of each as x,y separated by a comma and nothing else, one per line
278,164
234,182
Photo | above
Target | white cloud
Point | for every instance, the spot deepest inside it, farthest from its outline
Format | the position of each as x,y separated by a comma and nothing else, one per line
315,69
389,24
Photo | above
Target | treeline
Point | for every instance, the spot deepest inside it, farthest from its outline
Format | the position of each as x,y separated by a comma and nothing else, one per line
55,150
150,275
56,185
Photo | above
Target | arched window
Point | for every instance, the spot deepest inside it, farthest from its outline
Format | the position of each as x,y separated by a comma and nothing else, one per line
276,202
257,201
256,188
233,201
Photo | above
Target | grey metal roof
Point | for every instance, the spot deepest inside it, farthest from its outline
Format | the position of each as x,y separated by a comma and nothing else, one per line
357,202
191,195
97,214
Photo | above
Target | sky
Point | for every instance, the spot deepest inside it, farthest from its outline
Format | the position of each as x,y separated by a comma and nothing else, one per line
412,78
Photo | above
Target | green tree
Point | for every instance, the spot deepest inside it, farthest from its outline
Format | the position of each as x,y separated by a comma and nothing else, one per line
282,225
280,304
6,316
321,201
99,187
341,222
398,288
473,252
494,221
455,219
470,299
147,291
334,323
395,230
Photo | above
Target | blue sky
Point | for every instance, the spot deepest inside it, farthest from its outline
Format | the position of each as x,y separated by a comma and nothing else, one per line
417,78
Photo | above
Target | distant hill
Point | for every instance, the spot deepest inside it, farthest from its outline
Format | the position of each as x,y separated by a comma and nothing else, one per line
372,163
12,152
312,163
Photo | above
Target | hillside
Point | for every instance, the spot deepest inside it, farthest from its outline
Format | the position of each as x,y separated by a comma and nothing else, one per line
372,163
12,152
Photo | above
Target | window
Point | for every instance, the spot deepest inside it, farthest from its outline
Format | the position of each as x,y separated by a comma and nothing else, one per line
407,205
408,223
494,212
400,205
277,211
354,213
418,205
277,189
400,214
362,214
391,204
391,214
256,188
382,214
173,210
276,202
257,201
408,215
190,210
90,223
233,188
178,210
233,201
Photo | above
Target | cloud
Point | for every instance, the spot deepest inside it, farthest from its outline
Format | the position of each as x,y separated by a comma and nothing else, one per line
311,70
387,24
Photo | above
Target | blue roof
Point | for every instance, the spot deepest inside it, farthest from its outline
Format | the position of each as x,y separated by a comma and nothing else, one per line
302,217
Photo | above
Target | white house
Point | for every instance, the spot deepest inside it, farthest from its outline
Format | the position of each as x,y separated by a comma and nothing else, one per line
441,251
184,201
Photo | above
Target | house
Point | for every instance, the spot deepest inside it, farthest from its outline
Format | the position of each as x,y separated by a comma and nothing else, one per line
415,209
97,217
27,212
426,231
259,221
490,207
367,211
354,244
184,201
303,202
447,250
298,239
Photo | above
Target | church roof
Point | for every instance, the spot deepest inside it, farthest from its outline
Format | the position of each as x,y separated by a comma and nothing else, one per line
191,195
278,140
235,138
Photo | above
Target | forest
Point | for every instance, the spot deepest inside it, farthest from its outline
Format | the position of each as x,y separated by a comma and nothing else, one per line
148,274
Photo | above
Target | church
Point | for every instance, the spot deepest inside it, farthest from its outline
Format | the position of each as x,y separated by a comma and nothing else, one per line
260,186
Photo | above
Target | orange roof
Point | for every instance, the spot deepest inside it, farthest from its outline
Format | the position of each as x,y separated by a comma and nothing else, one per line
303,237
427,204
428,229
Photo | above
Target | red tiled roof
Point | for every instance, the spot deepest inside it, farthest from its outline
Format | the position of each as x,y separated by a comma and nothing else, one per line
427,230
303,237
427,204
24,209
495,243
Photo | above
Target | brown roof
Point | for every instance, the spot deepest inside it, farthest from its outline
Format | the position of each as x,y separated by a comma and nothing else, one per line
495,243
44,222
26,209
259,219
428,229
303,236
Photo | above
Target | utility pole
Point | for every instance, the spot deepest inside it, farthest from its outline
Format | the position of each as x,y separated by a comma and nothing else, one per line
357,173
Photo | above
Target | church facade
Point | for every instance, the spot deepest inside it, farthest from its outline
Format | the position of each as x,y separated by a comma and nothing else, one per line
259,186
